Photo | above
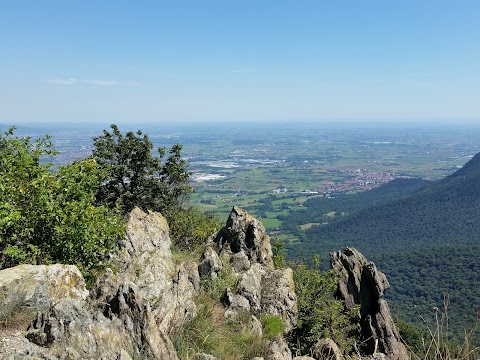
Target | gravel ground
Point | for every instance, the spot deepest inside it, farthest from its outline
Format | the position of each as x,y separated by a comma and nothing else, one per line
15,342
12,335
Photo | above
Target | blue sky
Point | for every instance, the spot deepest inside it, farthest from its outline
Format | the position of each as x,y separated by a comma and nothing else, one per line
262,60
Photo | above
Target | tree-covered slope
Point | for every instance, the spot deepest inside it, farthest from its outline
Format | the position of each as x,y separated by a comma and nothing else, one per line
325,209
427,243
420,280
442,213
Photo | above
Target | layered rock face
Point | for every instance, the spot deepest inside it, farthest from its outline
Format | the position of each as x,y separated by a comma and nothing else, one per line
147,262
364,285
124,325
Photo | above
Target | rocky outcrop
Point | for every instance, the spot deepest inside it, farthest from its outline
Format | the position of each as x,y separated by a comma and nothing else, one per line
278,349
362,284
147,262
245,234
210,263
244,246
124,325
38,287
129,312
278,296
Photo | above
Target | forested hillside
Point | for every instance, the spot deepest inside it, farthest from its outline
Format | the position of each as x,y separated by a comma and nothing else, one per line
424,235
421,279
445,213
322,210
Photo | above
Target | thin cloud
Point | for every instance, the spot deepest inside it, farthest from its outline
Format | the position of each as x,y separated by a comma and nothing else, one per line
63,81
74,81
247,70
101,82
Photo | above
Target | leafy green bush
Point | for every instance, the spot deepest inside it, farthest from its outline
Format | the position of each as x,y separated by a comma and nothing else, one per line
47,215
215,286
320,315
411,335
279,255
191,227
272,325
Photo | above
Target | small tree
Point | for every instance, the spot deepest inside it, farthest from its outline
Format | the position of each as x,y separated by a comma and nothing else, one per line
134,177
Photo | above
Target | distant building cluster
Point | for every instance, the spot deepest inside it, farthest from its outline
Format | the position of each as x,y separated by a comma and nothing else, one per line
358,180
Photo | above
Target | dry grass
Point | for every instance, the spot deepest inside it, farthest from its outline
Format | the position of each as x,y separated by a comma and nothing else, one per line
211,333
439,346
19,320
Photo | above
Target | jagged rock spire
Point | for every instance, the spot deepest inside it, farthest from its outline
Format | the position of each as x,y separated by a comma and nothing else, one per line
362,284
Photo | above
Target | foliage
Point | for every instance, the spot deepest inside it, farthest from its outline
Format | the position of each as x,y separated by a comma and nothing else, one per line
437,345
411,335
422,234
443,212
320,315
210,332
279,254
272,325
215,286
419,278
49,216
191,227
136,178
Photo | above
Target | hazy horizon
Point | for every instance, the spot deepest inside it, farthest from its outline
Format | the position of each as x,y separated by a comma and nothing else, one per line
326,123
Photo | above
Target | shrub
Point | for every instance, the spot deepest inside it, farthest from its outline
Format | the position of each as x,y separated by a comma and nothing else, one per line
320,315
191,227
209,332
47,215
215,287
272,325
279,255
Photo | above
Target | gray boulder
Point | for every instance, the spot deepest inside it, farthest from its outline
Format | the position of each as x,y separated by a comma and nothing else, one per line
255,326
210,263
278,296
235,303
250,286
38,287
202,356
364,285
278,349
326,349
